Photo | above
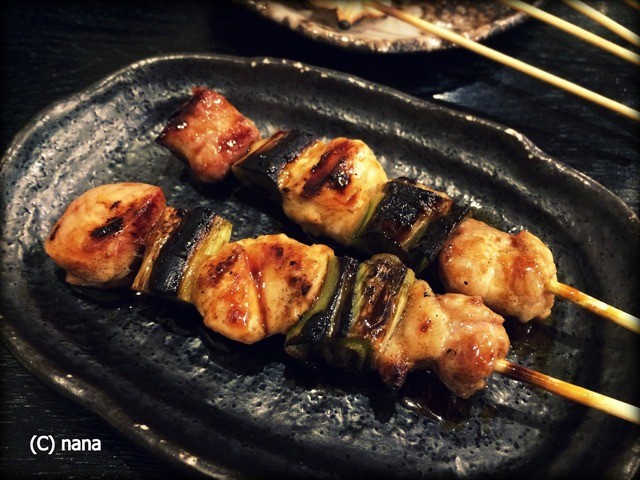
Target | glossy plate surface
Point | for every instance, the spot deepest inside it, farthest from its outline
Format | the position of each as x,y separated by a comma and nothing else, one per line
477,20
235,411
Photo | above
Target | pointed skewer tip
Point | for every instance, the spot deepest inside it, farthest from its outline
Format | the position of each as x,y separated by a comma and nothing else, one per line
594,305
570,391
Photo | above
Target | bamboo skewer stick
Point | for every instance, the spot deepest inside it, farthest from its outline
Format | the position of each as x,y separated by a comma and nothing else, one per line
574,30
594,305
514,63
633,4
578,394
605,21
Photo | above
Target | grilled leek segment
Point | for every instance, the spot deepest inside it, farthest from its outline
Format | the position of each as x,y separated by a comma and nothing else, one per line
426,250
262,168
379,297
164,227
318,324
216,233
200,232
399,216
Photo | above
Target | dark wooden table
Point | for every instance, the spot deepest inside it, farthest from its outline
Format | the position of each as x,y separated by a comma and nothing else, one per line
50,50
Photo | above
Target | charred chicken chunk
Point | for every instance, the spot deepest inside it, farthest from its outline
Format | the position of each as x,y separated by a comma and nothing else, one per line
209,134
100,237
255,288
327,189
510,272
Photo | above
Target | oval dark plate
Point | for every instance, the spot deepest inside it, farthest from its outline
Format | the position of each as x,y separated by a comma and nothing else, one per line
235,411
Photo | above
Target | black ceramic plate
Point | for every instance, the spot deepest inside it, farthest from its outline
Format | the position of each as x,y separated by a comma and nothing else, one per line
236,411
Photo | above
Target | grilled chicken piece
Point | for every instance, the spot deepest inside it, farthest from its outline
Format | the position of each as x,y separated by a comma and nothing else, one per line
255,288
209,134
510,272
455,335
101,235
327,189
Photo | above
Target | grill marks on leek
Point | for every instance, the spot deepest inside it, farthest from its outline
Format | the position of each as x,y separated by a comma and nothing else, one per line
262,168
399,216
181,241
357,312
318,325
379,296
168,222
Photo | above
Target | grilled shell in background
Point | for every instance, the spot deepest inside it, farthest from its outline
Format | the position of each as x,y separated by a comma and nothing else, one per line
348,13
354,26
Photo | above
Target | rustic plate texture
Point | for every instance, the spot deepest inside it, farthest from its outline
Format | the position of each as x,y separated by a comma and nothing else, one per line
477,20
234,411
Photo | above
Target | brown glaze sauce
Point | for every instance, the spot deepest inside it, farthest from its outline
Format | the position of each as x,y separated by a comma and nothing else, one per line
425,395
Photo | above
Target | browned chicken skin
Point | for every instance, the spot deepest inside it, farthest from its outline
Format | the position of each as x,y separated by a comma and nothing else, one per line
510,272
453,334
327,189
255,288
102,233
209,134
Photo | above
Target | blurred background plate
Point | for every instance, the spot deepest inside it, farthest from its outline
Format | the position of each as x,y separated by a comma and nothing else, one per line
476,20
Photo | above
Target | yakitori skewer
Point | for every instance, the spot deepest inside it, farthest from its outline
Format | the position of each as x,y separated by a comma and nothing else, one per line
356,315
605,21
572,29
507,60
339,190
